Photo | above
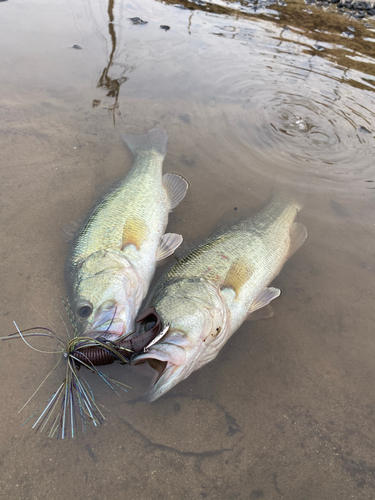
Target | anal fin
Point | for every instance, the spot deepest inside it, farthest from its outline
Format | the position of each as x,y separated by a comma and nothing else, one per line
298,234
176,187
239,273
168,244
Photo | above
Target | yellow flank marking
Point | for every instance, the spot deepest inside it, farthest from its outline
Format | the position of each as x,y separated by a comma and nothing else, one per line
238,274
135,232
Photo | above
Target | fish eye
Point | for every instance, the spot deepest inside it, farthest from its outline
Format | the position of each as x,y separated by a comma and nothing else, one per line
84,310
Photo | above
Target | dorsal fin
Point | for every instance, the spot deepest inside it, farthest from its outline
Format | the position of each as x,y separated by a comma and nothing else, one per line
135,232
176,187
239,273
168,244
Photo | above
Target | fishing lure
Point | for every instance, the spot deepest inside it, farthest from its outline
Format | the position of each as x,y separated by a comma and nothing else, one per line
74,399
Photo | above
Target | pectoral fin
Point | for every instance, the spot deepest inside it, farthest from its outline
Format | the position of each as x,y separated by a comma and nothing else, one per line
264,298
264,313
298,234
239,273
135,232
176,187
168,244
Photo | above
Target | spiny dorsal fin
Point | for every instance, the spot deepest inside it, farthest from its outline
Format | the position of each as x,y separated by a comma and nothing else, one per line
239,273
298,234
135,232
168,244
176,187
264,298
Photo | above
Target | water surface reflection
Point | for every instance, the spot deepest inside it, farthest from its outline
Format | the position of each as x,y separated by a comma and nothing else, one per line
106,81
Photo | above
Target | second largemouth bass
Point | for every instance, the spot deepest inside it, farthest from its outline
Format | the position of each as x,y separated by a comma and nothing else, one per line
209,293
112,258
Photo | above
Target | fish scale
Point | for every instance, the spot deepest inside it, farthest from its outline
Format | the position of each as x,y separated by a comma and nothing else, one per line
209,293
104,226
112,257
236,241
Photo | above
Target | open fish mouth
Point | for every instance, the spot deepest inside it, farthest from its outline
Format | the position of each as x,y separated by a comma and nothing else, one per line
132,344
111,321
169,360
110,330
163,354
167,376
158,366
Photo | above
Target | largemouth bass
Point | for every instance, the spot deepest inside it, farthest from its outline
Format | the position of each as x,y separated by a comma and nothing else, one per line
113,256
209,293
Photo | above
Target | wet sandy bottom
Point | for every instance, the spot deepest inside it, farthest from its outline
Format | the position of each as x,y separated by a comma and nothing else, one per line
285,411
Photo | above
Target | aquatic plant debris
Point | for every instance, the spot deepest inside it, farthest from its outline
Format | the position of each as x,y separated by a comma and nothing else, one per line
362,9
137,20
364,130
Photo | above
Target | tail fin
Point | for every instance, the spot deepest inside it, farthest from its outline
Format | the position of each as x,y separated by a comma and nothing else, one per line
155,140
290,189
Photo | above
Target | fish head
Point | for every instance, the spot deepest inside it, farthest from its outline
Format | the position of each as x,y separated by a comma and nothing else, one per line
107,296
196,315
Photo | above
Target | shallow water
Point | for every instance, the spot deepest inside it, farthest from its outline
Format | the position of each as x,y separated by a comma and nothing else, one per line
251,104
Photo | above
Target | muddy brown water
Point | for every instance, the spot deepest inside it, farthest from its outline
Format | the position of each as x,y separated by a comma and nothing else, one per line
253,100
